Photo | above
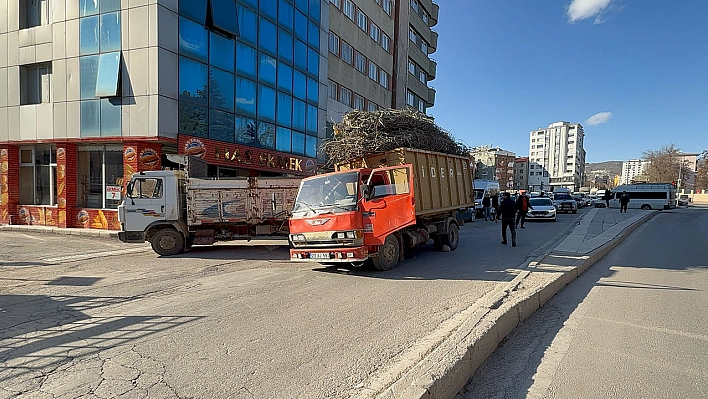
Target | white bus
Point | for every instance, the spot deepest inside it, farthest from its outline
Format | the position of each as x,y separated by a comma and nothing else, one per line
646,196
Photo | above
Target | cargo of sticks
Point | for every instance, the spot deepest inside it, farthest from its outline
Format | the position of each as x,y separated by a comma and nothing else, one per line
361,134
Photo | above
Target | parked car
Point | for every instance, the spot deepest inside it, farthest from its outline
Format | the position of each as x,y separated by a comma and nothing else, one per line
565,203
579,200
684,199
543,209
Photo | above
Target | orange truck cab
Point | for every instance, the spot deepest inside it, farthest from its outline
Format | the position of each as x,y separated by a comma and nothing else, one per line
360,214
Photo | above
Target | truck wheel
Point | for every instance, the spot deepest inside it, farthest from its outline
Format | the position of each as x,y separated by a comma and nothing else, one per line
452,238
167,242
389,253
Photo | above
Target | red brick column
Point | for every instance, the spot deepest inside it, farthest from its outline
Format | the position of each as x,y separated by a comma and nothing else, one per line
9,182
67,181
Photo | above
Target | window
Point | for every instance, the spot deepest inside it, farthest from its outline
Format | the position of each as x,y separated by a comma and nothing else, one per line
422,76
347,53
38,175
333,44
387,6
371,106
410,98
415,5
362,21
98,168
337,3
385,42
373,72
411,67
146,188
35,84
383,79
358,102
108,73
33,13
360,62
348,9
412,36
374,32
332,90
531,166
283,139
345,96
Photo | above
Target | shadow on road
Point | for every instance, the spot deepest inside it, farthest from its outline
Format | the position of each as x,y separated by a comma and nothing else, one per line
236,252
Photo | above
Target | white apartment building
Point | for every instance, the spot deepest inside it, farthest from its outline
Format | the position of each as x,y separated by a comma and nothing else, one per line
632,169
557,157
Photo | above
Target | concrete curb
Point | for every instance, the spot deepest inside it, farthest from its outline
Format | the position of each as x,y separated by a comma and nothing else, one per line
445,371
110,234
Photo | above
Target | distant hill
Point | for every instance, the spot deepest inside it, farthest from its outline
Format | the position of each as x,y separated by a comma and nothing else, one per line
614,167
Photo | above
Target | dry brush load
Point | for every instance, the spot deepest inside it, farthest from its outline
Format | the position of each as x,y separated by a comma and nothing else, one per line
362,133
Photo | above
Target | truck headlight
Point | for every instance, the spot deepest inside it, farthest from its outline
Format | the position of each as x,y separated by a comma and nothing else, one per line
297,237
341,235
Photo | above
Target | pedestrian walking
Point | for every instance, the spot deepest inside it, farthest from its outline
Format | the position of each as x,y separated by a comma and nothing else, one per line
487,204
495,206
624,200
522,207
507,211
607,197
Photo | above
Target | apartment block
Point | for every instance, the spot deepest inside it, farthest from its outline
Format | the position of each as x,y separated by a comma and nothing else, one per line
631,169
557,157
521,173
494,163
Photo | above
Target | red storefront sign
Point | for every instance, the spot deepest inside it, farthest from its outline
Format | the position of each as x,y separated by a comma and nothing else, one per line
235,155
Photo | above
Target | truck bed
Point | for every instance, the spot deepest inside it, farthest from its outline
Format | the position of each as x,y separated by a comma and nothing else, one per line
246,201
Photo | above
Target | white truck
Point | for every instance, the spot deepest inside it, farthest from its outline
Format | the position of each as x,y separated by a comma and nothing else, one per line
173,211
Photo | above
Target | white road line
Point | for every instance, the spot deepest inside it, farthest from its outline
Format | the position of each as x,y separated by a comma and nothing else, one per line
93,255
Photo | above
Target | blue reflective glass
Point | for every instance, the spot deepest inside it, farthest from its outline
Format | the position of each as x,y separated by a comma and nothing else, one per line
285,46
266,135
89,35
298,143
266,69
285,109
91,118
313,35
311,146
266,103
268,37
111,117
312,119
313,62
245,97
88,7
221,90
299,115
313,90
109,5
282,139
221,126
245,60
299,85
285,78
286,14
193,39
107,76
245,129
252,3
222,52
302,5
301,26
88,72
269,8
300,55
248,25
223,16
193,119
193,77
194,9
315,10
110,32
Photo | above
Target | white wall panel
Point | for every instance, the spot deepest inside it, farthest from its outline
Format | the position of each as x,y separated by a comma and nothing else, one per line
13,128
3,87
168,65
59,40
73,89
72,38
139,22
59,120
28,122
168,117
73,119
45,121
59,81
13,86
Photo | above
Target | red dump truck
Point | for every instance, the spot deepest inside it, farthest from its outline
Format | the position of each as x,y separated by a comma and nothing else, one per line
376,207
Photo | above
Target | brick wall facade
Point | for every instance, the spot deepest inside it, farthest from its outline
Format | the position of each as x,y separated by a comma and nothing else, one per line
9,183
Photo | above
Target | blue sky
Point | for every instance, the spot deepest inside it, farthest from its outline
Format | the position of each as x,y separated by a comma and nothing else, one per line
506,67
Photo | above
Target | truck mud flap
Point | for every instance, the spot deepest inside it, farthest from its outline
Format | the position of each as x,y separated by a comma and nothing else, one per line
131,236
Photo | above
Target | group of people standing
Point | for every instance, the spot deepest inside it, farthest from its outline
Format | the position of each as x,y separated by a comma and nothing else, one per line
510,212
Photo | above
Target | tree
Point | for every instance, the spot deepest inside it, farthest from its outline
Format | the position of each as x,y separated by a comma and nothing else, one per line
665,165
702,173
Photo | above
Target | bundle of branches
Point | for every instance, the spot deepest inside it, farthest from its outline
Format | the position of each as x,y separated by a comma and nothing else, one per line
361,134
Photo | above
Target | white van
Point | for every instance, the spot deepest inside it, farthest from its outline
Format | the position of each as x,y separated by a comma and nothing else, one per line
646,196
481,189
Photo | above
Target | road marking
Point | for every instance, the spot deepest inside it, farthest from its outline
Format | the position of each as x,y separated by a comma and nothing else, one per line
93,255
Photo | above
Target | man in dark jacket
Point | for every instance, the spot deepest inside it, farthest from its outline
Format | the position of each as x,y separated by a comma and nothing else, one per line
507,211
522,206
607,197
495,205
487,204
624,200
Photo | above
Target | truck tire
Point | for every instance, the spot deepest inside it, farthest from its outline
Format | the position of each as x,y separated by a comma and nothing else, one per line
452,238
389,253
167,242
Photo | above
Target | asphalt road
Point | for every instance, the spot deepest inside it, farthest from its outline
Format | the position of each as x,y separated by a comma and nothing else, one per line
91,318
634,325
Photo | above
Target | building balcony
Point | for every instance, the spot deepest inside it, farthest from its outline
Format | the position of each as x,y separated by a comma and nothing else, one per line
430,101
433,46
432,69
434,14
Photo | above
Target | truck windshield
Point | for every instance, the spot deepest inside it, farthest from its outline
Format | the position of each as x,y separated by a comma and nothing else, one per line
478,194
328,194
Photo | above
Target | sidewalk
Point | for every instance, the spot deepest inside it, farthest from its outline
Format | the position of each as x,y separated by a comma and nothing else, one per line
447,368
60,231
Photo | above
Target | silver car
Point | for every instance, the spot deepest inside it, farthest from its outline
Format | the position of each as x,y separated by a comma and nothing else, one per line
543,209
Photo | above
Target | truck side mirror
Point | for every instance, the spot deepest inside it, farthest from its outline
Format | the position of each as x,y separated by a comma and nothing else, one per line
366,191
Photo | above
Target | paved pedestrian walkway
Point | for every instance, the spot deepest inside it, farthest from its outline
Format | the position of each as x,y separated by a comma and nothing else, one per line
598,227
61,231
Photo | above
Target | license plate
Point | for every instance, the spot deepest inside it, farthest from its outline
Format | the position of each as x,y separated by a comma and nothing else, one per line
319,256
